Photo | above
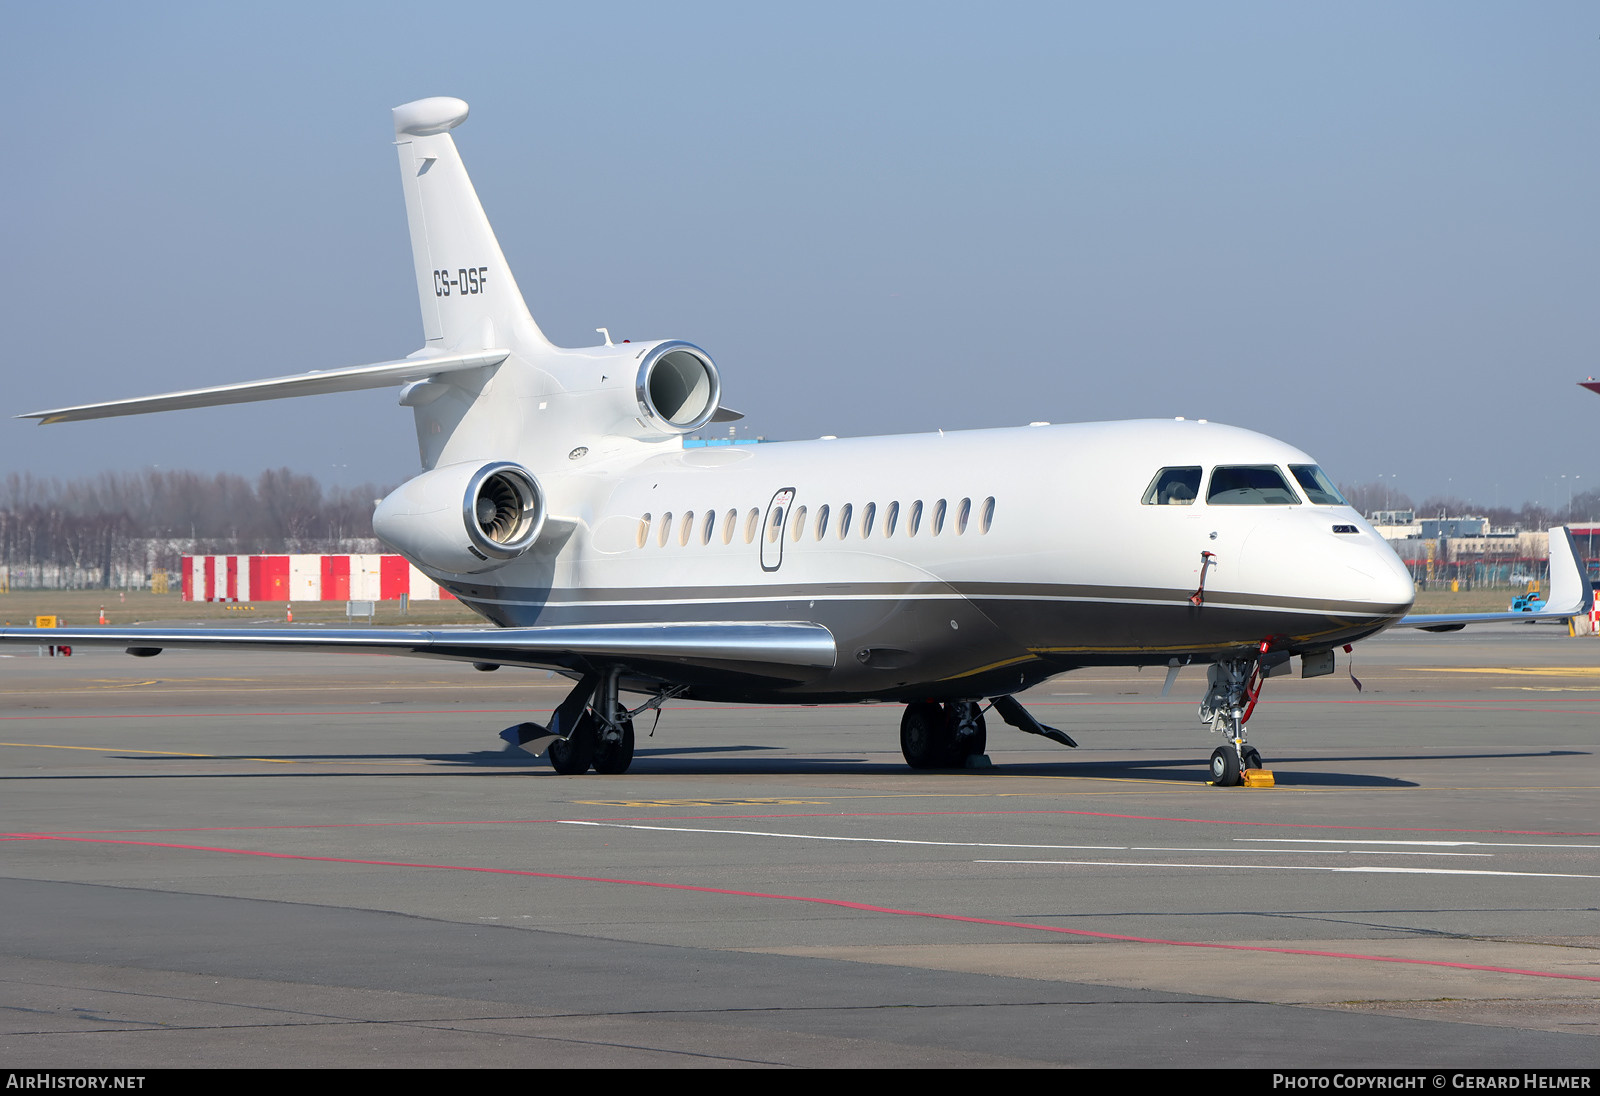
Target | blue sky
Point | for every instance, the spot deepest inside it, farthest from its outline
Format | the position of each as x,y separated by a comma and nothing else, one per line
1368,229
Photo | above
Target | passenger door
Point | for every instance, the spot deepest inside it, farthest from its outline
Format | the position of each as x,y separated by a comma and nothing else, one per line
772,526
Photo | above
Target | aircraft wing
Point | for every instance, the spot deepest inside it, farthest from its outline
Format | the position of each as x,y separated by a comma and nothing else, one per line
316,383
1570,594
758,646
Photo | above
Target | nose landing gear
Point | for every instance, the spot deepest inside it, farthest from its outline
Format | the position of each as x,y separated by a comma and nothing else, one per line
1233,686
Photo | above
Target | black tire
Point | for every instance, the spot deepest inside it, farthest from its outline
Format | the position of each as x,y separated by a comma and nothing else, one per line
612,758
574,754
968,745
922,735
1252,758
1224,766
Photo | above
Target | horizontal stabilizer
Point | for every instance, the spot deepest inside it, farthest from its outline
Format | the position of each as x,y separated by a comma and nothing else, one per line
316,383
759,643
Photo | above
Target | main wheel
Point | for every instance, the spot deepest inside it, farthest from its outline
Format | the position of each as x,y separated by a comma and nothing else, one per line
1224,766
922,735
963,746
612,758
574,754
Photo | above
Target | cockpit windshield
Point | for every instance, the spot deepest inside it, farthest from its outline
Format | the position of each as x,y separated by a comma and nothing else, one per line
1317,486
1249,485
1173,487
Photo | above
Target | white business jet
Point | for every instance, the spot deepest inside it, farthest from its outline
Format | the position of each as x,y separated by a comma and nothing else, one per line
945,572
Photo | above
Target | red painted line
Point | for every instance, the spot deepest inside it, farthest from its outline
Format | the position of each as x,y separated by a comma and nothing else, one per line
280,714
311,826
837,903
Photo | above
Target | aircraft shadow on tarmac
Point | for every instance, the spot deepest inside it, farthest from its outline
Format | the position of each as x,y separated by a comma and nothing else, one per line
779,761
697,761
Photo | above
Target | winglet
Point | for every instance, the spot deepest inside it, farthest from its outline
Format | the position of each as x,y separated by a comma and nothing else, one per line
1570,592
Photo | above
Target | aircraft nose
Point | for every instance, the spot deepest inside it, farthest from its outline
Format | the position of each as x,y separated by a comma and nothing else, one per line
1302,556
1392,583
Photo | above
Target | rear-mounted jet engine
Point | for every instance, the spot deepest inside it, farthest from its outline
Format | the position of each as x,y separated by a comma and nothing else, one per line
464,518
677,389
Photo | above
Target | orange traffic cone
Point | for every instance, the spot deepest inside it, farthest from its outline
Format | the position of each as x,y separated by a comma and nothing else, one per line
288,613
102,614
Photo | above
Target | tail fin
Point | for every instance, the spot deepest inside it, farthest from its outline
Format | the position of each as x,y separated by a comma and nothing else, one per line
469,299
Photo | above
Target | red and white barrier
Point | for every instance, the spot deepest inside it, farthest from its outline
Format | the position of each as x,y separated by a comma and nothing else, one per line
356,577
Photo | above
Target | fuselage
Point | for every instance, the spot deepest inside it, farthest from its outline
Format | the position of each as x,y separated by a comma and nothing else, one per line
965,563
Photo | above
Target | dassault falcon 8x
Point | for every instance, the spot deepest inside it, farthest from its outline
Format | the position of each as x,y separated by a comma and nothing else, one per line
558,500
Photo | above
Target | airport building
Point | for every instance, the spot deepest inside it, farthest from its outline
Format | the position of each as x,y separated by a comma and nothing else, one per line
1468,551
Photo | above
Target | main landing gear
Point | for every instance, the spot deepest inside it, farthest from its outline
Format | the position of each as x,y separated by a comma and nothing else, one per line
942,736
949,735
1233,686
591,729
608,749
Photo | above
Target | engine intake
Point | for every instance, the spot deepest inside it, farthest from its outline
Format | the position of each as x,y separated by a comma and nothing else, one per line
677,387
464,518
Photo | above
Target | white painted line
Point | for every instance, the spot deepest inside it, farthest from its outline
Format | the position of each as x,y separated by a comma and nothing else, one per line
1447,844
978,844
825,837
1372,868
1307,852
1337,841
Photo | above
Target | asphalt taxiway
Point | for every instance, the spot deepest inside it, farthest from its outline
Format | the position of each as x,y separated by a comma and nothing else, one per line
301,860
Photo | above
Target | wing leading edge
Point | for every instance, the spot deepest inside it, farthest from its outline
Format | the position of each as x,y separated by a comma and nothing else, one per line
351,379
756,646
1570,594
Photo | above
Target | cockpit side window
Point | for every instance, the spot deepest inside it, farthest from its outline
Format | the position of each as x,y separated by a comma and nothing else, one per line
1249,485
1317,486
1173,487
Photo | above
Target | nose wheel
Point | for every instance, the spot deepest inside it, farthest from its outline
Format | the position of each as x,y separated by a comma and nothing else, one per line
1229,762
1225,766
